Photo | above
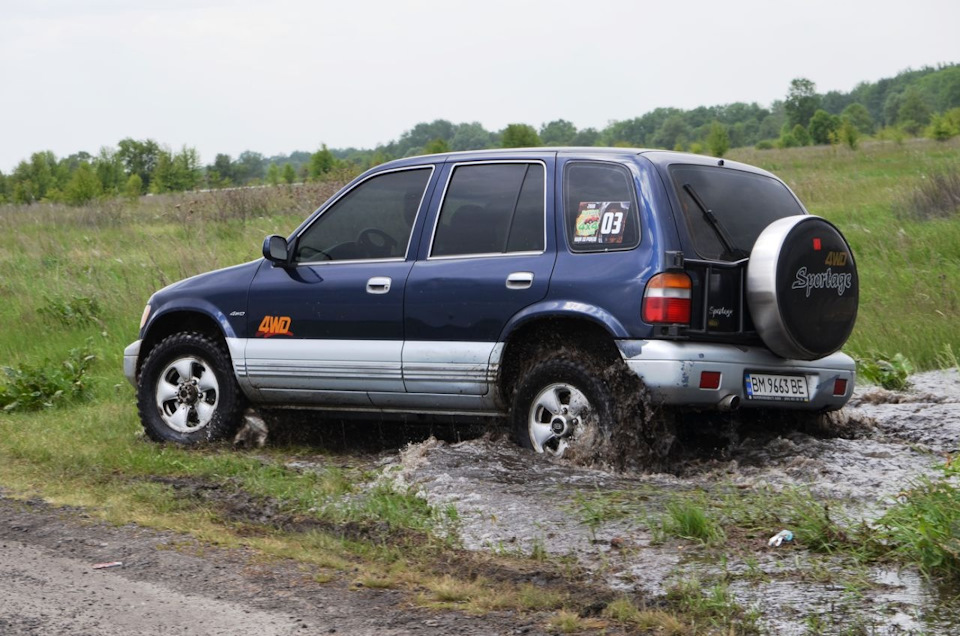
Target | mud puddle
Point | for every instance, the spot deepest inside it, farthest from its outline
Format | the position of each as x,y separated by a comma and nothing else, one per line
511,501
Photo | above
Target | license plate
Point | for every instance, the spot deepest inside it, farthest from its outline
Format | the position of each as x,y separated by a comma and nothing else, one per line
766,386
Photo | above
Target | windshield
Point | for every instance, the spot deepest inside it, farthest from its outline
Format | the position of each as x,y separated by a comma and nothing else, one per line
722,205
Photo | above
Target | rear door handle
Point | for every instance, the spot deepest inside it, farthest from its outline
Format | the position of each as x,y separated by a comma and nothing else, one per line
379,285
520,280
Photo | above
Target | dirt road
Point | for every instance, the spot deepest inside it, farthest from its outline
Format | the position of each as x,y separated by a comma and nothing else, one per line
169,585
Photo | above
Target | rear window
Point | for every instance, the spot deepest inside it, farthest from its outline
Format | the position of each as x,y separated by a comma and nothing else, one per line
742,203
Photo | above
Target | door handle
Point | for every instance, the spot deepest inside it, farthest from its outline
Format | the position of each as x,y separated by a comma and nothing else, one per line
520,280
379,285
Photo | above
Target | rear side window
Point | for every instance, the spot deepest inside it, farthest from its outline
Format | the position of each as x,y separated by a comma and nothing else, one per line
743,204
600,206
492,208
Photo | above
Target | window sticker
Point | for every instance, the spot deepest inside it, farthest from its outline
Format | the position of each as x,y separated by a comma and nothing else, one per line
601,222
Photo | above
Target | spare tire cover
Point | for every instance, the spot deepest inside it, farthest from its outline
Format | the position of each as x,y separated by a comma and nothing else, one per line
802,287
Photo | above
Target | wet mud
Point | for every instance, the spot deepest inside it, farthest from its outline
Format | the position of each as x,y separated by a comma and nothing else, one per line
604,517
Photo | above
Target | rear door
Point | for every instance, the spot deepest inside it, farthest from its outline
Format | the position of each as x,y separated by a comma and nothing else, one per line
487,256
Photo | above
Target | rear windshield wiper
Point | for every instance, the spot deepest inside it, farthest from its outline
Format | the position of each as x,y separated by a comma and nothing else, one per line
714,222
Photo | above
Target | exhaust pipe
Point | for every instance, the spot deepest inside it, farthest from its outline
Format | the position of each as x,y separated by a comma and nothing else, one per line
729,403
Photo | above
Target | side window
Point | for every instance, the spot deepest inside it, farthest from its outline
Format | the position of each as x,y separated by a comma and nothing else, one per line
374,220
492,208
600,207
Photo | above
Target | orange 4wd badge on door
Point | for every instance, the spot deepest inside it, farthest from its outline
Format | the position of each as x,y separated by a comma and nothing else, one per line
274,326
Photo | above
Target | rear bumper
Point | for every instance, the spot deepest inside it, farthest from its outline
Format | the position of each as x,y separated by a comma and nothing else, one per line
671,371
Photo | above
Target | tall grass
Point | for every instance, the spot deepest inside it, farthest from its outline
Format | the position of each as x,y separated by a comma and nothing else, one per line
909,265
72,273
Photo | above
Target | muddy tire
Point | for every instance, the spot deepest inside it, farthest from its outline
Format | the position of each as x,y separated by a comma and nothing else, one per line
187,392
562,407
802,287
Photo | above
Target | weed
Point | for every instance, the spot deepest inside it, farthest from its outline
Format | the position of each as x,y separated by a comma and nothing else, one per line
376,582
624,611
31,388
452,590
538,552
936,197
714,606
754,572
570,623
74,311
688,520
924,525
890,373
947,359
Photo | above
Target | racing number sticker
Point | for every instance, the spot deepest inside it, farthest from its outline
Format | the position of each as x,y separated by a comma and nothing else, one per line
601,222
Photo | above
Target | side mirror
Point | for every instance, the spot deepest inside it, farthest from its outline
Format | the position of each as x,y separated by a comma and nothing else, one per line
275,249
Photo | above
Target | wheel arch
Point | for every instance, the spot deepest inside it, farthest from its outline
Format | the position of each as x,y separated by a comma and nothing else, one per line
174,321
553,331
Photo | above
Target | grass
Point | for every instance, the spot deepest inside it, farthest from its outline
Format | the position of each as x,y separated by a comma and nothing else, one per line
923,525
712,607
688,520
73,282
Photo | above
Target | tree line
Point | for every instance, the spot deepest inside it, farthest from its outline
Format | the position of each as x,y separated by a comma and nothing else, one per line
913,103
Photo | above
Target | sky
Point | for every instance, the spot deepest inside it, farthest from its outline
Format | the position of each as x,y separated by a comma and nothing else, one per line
286,75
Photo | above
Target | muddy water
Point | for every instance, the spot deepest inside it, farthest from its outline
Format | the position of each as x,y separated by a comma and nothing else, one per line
510,500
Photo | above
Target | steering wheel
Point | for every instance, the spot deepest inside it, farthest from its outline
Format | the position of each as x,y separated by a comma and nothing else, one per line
376,242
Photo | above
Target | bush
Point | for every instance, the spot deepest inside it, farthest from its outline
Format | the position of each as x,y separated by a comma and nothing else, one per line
848,134
79,310
718,139
889,373
823,127
941,129
28,388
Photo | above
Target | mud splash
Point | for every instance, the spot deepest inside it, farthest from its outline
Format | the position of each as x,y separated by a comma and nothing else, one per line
512,501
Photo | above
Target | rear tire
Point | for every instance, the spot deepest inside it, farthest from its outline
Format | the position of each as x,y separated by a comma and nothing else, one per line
562,407
187,392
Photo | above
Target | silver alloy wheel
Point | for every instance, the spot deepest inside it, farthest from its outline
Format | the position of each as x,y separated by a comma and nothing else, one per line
187,394
559,416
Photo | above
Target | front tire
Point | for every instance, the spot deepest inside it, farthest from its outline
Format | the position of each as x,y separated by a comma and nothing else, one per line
187,392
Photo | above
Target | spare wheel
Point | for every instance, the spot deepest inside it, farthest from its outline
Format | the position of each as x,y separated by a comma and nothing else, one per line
802,287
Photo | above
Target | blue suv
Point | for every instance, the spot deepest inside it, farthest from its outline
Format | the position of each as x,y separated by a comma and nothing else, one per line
510,283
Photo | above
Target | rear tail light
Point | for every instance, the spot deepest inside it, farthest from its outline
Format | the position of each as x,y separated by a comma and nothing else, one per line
839,387
667,299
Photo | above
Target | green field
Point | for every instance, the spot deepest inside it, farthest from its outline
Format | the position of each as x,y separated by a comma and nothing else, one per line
75,279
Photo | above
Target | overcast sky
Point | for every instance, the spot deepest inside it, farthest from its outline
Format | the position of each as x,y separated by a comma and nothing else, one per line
286,75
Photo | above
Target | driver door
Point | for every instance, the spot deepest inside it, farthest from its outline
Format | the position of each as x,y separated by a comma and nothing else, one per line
329,328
